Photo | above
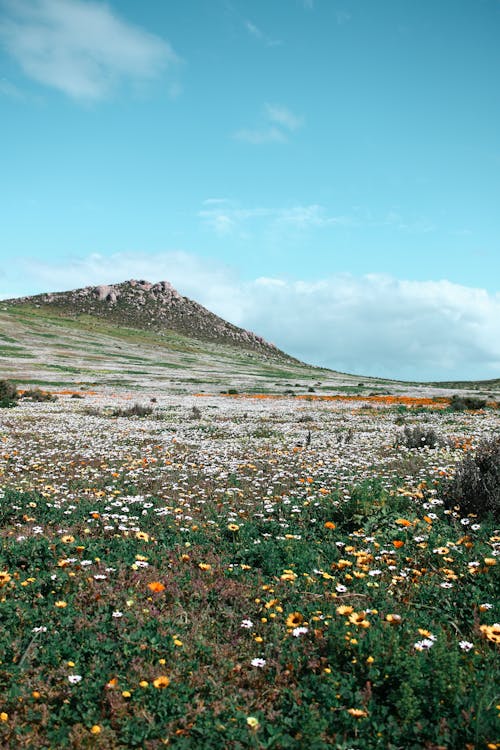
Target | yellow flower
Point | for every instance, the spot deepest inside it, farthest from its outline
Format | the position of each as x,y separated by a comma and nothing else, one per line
491,632
358,618
162,681
4,577
233,527
294,620
252,722
344,610
4,716
271,603
393,619
204,566
67,539
96,729
142,535
60,604
490,561
357,712
126,694
144,683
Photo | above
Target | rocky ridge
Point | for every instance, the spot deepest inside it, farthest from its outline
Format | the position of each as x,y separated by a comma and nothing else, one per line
144,305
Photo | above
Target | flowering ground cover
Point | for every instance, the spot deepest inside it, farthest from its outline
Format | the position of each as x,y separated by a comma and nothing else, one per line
244,573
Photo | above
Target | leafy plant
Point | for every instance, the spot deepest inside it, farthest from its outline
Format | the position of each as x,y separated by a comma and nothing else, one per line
8,394
418,437
475,488
36,394
137,410
461,403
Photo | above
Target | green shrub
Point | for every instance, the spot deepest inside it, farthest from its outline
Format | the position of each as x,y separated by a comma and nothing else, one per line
462,403
418,437
475,487
8,394
35,394
137,410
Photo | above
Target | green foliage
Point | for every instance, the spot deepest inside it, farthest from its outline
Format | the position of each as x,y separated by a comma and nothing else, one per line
418,437
461,403
137,410
8,394
475,487
36,394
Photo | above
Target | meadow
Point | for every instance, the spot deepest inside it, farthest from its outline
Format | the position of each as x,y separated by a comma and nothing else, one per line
244,572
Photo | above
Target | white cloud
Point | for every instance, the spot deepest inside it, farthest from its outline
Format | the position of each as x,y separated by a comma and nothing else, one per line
282,116
82,49
372,324
225,217
278,123
258,34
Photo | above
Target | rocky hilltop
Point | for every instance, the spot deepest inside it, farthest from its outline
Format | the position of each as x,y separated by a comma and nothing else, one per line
141,304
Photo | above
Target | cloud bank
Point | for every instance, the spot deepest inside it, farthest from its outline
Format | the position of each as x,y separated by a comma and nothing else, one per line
82,49
370,325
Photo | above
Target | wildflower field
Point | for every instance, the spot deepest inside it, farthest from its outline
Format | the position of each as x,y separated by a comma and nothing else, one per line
233,572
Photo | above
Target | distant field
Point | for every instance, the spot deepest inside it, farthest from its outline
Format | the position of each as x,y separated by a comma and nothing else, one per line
243,572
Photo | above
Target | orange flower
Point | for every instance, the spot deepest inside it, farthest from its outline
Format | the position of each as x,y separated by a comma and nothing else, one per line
403,522
156,586
330,525
398,543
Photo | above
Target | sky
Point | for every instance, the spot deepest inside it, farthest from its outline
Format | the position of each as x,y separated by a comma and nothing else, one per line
323,172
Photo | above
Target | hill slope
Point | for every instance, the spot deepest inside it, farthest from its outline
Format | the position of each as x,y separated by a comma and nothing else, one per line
138,335
153,307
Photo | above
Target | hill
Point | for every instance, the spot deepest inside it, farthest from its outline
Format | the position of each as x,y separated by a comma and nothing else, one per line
138,335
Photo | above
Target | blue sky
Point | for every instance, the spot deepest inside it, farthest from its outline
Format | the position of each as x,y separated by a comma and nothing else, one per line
340,158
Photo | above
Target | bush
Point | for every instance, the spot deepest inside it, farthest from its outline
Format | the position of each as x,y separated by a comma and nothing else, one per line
418,437
8,394
475,487
137,410
461,403
35,394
